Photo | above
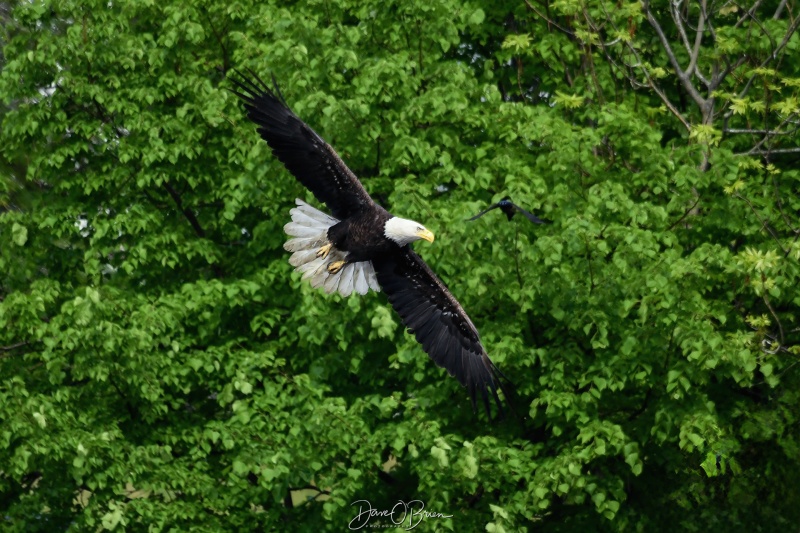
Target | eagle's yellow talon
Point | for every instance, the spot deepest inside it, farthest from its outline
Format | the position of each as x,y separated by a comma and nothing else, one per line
335,267
325,250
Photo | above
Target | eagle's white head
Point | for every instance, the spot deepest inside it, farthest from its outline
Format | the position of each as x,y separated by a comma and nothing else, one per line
403,231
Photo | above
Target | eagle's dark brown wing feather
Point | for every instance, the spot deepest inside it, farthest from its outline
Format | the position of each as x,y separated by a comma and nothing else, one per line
439,323
312,161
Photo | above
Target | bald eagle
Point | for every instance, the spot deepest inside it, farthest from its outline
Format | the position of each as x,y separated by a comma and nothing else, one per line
361,246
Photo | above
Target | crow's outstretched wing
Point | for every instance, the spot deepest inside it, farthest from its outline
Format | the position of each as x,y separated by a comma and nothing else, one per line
530,216
479,215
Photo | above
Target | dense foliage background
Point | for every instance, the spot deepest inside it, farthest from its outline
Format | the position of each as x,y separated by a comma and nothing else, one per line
162,367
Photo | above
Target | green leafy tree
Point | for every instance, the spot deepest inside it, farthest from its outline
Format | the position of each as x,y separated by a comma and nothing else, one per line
161,367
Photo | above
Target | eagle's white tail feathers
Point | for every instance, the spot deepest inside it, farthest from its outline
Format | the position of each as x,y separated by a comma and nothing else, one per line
360,281
372,279
302,257
309,227
346,286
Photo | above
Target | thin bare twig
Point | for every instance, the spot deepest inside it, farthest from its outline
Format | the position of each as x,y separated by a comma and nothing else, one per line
789,32
685,214
775,315
190,216
755,150
747,14
758,132
640,65
176,197
660,93
764,223
551,22
679,24
13,346
716,81
795,150
761,27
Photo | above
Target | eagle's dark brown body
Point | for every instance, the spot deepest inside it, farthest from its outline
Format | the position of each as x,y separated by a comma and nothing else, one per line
357,236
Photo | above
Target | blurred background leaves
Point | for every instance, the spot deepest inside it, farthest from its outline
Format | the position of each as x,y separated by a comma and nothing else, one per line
161,367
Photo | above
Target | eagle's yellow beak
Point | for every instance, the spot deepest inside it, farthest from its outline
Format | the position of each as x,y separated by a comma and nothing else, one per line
425,234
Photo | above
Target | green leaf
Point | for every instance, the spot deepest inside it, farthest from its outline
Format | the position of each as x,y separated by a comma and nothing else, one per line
570,101
240,468
477,17
518,43
19,234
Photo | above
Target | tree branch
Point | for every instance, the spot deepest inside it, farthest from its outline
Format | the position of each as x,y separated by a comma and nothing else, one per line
764,223
685,214
795,150
762,28
758,132
176,197
693,51
747,14
789,32
546,19
225,55
673,10
715,82
779,10
775,315
659,92
698,39
682,75
13,346
640,64
198,229
755,149
713,33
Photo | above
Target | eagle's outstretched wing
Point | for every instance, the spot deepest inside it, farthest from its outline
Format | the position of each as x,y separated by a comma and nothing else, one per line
439,323
309,158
